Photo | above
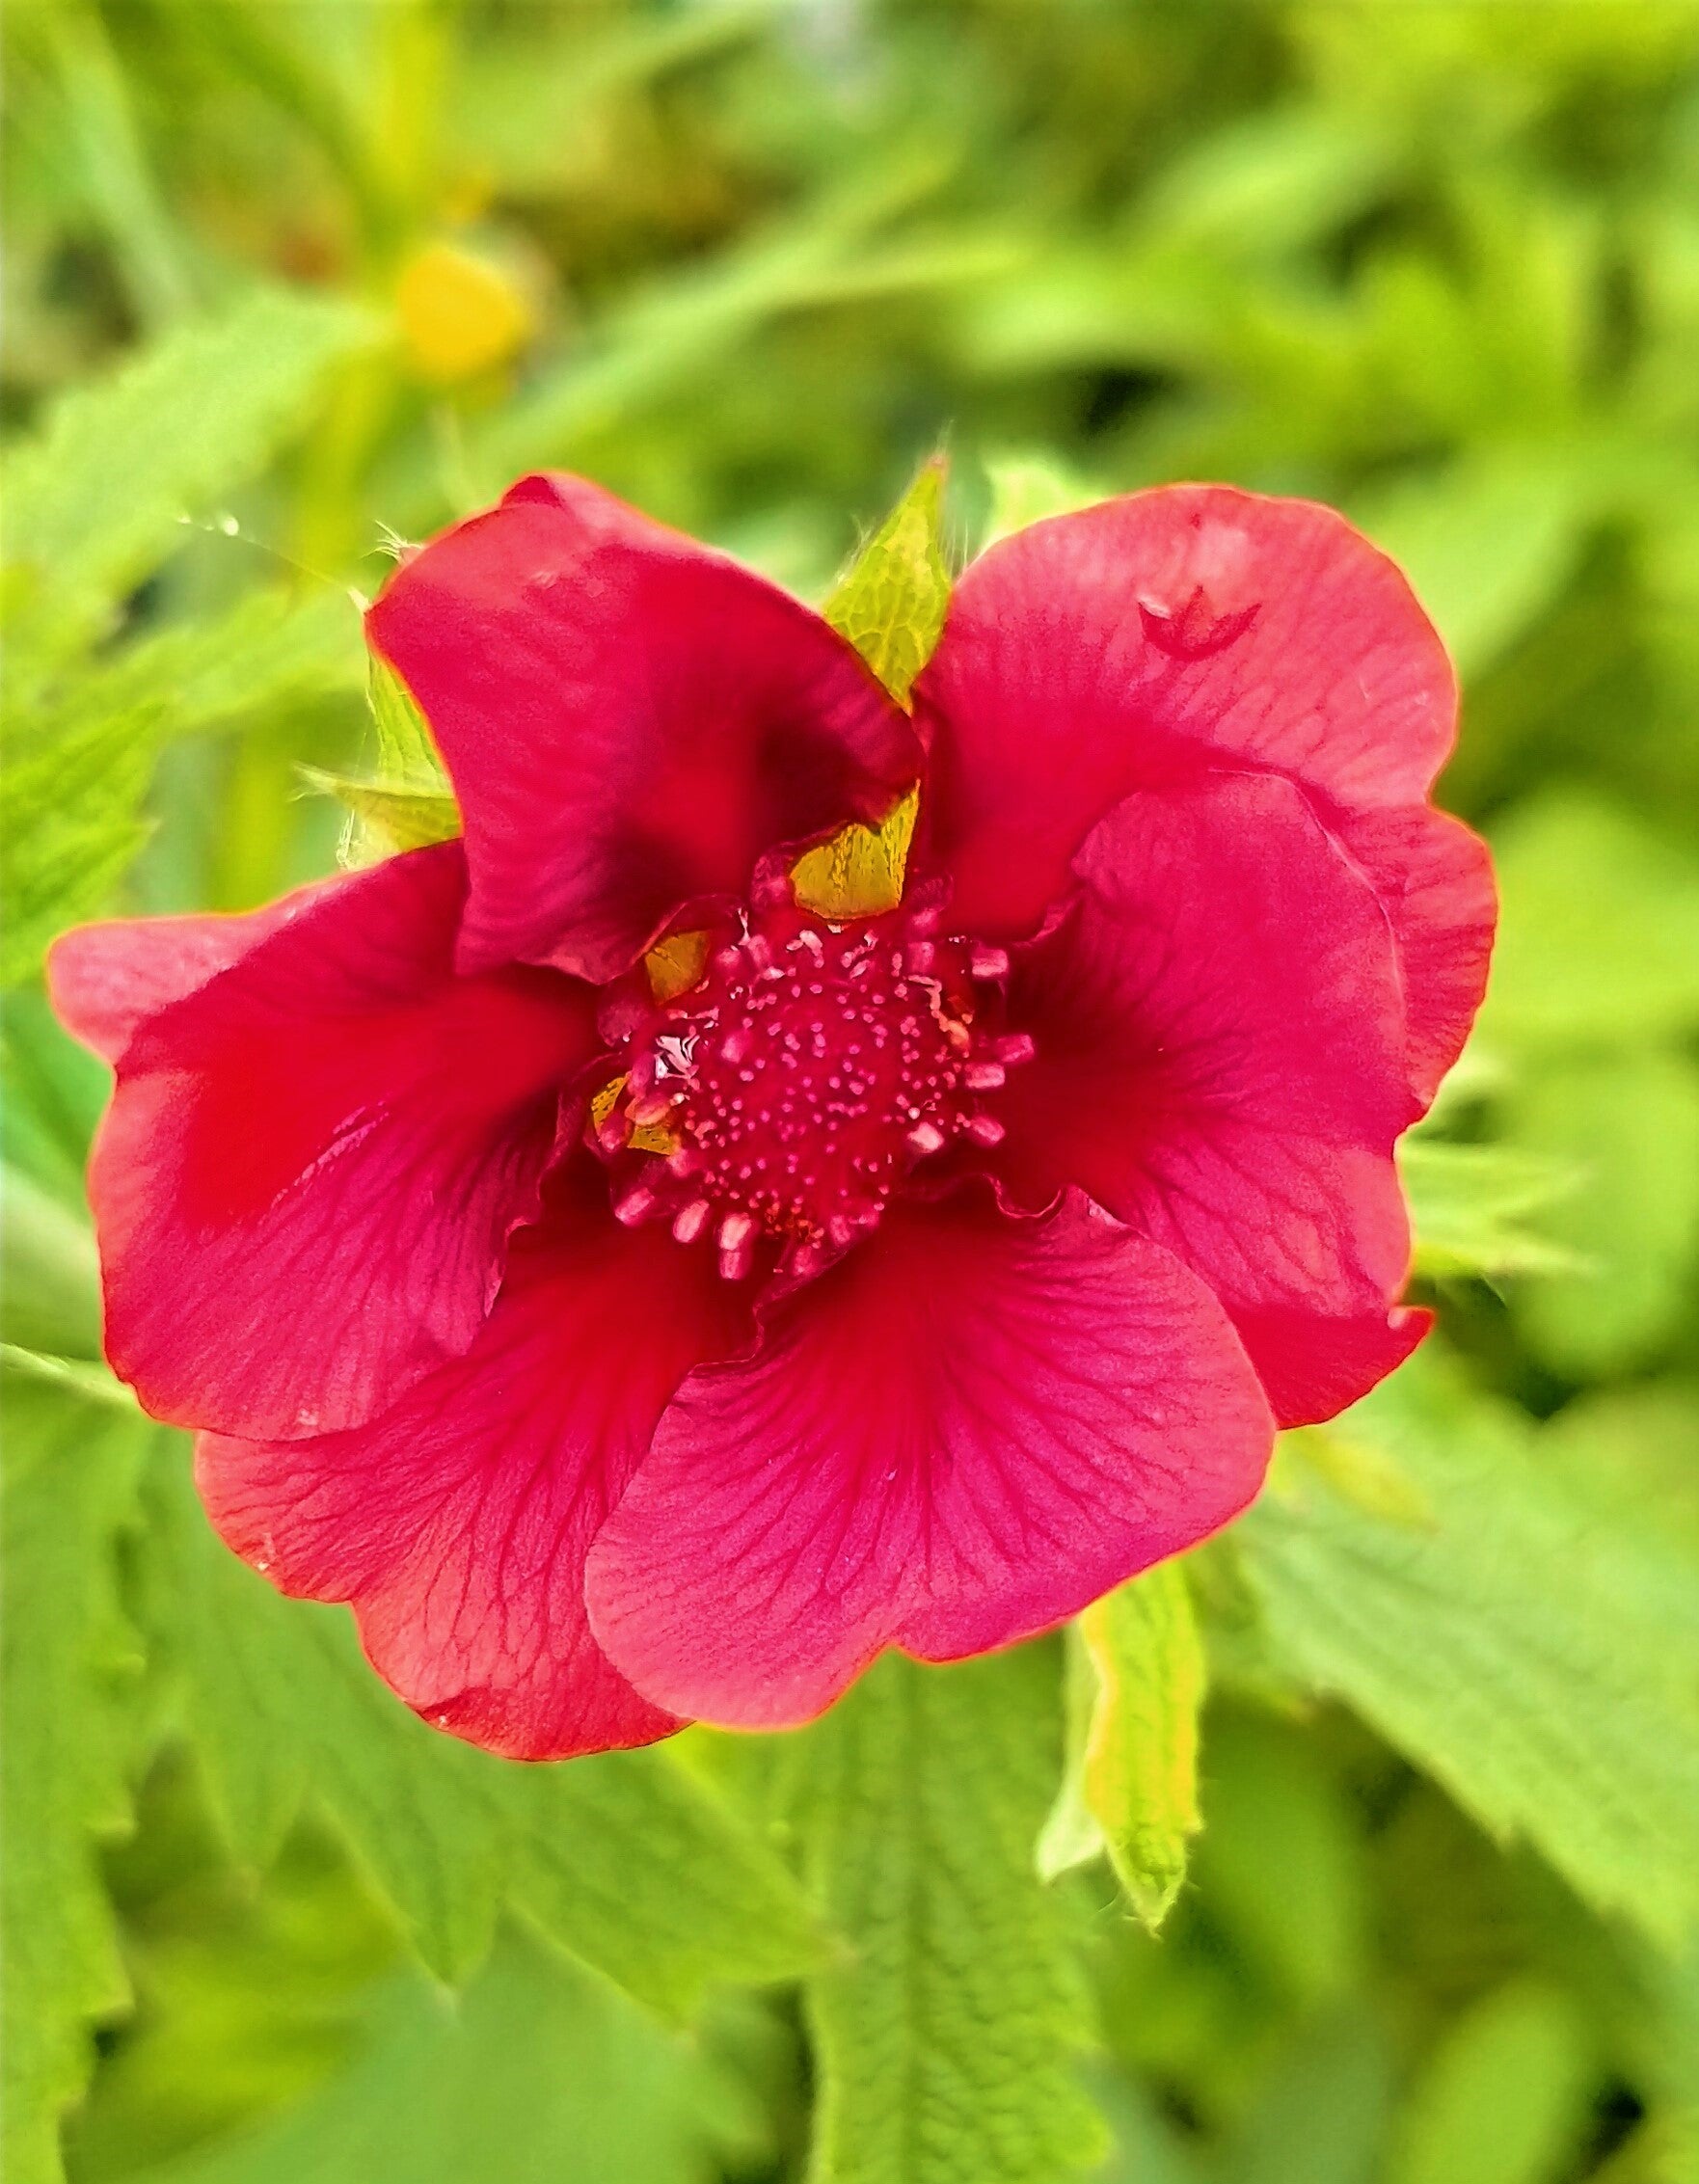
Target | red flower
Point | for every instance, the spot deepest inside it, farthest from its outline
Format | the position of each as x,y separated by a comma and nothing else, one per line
928,1273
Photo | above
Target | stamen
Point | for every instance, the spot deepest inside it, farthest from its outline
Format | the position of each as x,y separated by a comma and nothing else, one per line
804,1076
689,1221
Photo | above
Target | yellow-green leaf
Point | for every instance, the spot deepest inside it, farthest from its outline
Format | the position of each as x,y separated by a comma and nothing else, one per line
859,873
1136,1683
407,802
406,753
382,821
890,602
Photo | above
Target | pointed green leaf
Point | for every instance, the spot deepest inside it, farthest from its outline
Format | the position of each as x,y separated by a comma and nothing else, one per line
77,767
67,1688
1501,1635
94,501
890,602
382,821
1135,1688
407,802
945,2038
407,755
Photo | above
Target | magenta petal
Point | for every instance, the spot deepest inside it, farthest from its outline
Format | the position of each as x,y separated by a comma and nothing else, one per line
630,720
458,1522
1434,879
964,1433
304,1184
105,981
1221,1050
1314,1367
1140,639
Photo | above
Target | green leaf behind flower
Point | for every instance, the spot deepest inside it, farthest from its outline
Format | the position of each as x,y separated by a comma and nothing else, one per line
621,1857
1498,1633
536,2065
94,501
69,1688
945,2036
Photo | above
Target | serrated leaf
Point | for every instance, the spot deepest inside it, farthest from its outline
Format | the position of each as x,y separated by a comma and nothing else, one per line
184,420
79,763
622,1859
1477,1209
1504,1643
890,603
536,2071
945,2039
68,1681
1135,1690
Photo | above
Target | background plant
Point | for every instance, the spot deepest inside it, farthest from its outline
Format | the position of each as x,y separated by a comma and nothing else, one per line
289,279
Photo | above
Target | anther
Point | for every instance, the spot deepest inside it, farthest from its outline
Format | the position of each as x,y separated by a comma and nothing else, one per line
689,1221
734,1231
985,962
1014,1048
925,1138
637,1204
985,1076
984,1129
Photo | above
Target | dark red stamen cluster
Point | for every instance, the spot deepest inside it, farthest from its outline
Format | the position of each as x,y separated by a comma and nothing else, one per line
806,1075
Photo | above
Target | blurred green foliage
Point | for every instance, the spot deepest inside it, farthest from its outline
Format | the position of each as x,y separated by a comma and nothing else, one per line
289,279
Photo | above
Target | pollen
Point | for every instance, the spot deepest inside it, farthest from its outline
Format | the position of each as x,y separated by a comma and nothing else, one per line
806,1076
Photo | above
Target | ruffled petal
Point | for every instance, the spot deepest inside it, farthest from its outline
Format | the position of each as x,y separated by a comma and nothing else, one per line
1434,879
1135,641
966,1431
458,1522
106,979
1313,1368
304,1187
1221,1050
630,720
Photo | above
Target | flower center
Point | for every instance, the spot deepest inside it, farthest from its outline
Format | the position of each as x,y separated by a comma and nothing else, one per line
799,1083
